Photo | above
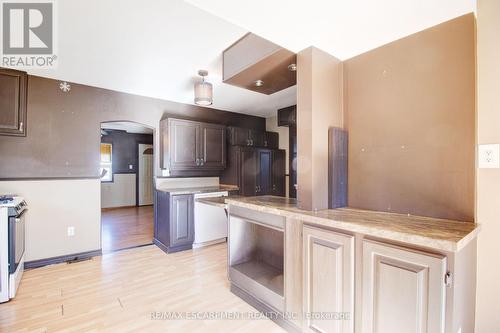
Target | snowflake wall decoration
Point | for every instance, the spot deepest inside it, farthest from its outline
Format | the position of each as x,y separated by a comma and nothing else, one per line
65,86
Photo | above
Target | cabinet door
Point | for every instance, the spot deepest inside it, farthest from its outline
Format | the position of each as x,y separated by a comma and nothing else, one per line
162,217
213,146
248,172
13,88
287,116
239,136
264,171
403,290
271,140
257,138
184,144
328,280
181,220
278,173
292,161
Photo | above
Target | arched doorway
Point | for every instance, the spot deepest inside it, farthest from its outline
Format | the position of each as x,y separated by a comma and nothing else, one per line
127,185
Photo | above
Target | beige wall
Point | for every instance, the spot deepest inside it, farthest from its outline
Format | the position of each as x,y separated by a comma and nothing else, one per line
319,107
53,206
272,126
410,113
488,180
121,192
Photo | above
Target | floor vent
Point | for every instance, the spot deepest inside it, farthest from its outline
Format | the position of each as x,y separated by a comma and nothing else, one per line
78,259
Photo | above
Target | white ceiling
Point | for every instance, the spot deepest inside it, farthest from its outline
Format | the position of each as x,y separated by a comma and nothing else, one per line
128,126
151,48
343,28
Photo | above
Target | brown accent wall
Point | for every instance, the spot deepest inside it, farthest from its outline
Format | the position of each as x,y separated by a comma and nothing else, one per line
63,133
125,152
410,113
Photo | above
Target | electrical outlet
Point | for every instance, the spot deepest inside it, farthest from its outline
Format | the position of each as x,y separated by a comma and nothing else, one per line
489,156
71,231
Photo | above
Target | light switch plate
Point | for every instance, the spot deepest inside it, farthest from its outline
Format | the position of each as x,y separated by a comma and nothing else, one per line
489,156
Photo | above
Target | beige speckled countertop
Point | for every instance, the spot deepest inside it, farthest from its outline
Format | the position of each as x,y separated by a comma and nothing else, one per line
196,190
439,234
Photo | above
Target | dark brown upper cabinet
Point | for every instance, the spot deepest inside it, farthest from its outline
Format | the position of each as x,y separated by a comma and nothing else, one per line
192,146
254,58
287,116
13,96
213,146
239,136
271,140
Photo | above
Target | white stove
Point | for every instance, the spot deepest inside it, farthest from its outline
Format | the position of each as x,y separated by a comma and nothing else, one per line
12,244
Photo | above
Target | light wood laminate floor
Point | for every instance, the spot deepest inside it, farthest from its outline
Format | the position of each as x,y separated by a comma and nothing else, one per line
126,227
119,291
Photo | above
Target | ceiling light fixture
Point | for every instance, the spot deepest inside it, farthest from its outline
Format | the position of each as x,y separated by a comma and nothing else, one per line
203,91
292,67
259,83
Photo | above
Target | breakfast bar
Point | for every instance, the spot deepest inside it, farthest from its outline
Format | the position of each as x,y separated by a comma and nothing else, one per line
371,269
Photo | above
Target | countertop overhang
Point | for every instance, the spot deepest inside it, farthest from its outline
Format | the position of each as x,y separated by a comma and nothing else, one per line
438,234
198,190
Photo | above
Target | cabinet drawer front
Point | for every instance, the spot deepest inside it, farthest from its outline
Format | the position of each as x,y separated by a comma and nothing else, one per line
402,290
328,280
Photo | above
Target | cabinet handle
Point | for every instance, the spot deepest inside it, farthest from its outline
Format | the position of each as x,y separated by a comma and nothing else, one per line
251,142
248,142
197,161
21,126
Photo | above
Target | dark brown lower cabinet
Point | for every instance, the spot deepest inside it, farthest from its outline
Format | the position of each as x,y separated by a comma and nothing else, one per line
257,171
174,221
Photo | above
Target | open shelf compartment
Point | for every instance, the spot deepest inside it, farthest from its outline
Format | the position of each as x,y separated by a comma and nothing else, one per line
256,261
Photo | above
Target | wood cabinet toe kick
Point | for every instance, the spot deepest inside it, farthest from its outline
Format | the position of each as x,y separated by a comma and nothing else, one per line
348,270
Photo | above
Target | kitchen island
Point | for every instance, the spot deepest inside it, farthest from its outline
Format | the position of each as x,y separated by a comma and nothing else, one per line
369,271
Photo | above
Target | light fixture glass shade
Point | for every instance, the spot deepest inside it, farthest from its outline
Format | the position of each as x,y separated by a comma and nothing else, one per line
203,93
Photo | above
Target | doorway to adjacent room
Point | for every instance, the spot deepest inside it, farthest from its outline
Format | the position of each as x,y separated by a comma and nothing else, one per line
127,185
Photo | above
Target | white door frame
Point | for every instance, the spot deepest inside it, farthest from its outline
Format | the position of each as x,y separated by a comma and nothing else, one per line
144,171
